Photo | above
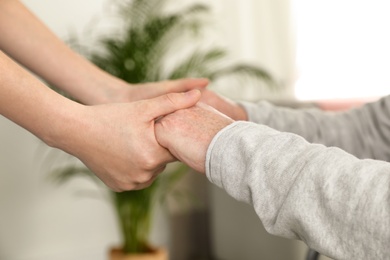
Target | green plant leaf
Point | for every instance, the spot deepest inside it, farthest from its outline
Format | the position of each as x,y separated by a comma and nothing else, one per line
139,54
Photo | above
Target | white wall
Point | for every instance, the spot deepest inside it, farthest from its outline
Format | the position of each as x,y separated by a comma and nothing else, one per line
39,220
258,32
346,56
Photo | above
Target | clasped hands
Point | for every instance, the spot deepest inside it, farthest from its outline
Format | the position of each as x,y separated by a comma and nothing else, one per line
128,145
187,133
181,130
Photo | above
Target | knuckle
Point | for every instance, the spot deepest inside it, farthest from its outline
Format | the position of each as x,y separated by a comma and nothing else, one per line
124,184
114,189
129,186
170,98
117,188
144,178
150,163
164,122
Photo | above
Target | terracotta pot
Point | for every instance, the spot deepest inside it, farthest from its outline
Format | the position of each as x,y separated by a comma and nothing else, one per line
155,254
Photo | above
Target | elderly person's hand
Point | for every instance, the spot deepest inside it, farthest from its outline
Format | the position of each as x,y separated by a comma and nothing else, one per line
117,141
187,133
224,105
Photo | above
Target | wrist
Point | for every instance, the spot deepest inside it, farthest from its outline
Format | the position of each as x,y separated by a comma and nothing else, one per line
240,113
92,86
65,127
108,89
29,103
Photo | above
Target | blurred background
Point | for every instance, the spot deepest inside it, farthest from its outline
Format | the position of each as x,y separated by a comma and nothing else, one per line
318,51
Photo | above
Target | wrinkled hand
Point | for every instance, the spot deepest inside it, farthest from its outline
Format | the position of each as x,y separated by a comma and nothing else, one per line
118,141
187,133
224,105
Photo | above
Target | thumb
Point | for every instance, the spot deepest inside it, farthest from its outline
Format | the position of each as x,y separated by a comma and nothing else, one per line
182,85
171,102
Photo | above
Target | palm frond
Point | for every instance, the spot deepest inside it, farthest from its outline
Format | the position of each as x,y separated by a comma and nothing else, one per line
170,180
245,70
138,12
134,211
139,54
198,64
65,174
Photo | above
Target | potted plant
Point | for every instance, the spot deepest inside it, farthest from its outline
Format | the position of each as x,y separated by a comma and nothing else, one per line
139,54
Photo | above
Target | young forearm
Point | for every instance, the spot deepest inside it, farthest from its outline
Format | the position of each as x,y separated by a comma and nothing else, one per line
32,44
30,104
93,134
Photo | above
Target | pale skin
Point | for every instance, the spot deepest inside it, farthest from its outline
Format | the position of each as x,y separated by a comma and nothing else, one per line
28,41
195,126
116,141
224,105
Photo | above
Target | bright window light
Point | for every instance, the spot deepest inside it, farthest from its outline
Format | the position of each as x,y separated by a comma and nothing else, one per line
343,48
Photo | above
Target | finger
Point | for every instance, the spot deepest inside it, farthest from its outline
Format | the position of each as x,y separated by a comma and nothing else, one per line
171,102
156,173
166,156
182,85
161,135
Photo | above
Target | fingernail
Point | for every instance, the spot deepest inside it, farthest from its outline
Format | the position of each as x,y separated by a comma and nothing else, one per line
193,93
204,80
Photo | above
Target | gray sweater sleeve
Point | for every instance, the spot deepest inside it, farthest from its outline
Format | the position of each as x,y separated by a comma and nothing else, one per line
363,132
338,204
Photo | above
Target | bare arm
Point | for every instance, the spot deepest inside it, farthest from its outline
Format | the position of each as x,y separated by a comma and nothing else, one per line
116,141
27,40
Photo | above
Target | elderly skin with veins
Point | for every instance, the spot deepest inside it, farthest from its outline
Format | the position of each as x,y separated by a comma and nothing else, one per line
336,203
